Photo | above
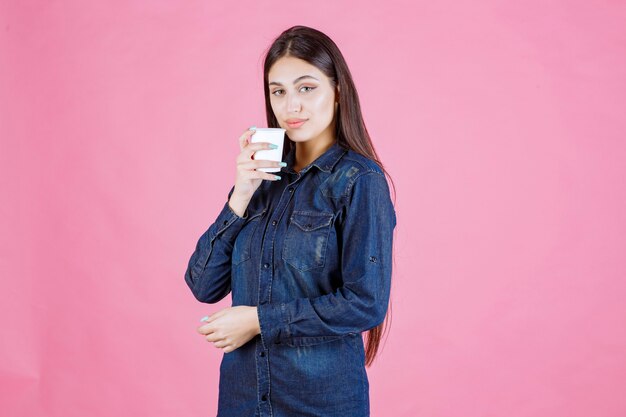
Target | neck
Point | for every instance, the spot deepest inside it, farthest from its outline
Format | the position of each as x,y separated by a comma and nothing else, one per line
307,152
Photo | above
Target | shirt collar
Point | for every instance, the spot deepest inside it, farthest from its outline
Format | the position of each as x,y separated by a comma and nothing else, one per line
325,161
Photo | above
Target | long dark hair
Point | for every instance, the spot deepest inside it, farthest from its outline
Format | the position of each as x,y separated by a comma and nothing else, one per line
319,50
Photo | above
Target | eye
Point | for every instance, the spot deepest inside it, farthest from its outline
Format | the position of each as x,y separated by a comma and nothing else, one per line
276,91
311,88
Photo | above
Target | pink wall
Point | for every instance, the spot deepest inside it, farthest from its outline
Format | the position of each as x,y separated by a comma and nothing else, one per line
502,125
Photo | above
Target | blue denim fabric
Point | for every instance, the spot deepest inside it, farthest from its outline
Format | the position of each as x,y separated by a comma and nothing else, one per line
313,252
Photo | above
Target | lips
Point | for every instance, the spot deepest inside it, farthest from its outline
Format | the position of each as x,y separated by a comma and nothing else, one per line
294,123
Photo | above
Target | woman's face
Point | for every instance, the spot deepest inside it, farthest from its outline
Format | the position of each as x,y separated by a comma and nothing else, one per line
298,90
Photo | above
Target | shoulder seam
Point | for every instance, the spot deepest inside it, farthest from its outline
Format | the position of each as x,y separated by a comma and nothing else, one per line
353,181
357,158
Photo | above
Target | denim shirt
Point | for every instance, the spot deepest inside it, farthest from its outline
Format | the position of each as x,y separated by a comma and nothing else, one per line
313,253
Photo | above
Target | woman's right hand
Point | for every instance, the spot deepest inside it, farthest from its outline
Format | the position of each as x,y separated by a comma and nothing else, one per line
248,179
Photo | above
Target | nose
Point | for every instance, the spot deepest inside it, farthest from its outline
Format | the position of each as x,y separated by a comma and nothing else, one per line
293,104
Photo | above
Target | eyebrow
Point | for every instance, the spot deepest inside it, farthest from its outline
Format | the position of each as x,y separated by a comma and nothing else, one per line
294,81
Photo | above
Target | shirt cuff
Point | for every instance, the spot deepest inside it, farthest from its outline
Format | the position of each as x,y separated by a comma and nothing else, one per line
274,323
229,223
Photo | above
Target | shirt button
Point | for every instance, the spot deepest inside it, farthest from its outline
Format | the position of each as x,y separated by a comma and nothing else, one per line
264,397
262,353
291,190
225,221
266,265
274,223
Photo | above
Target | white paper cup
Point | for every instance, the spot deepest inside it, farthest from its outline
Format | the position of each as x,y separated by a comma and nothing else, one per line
272,135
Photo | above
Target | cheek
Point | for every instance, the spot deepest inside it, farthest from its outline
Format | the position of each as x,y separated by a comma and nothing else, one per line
275,107
323,105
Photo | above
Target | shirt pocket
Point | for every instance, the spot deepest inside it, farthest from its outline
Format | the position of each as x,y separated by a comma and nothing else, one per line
305,243
242,250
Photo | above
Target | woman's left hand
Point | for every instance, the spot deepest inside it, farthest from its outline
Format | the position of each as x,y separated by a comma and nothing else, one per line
231,327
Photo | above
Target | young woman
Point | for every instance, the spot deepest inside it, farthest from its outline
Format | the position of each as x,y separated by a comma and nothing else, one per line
307,254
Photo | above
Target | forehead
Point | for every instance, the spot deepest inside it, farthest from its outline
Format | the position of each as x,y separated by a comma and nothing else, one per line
286,69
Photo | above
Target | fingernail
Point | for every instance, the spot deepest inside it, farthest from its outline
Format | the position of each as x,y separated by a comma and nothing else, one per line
205,318
273,146
252,128
277,177
283,164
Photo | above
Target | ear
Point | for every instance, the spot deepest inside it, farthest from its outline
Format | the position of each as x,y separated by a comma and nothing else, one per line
337,90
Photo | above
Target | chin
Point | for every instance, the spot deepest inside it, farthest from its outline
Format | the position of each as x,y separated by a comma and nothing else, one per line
298,136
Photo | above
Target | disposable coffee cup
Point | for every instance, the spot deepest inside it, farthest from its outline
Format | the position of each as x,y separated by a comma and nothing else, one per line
272,135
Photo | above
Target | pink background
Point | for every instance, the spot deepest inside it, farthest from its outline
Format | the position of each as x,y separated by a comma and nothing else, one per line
502,124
